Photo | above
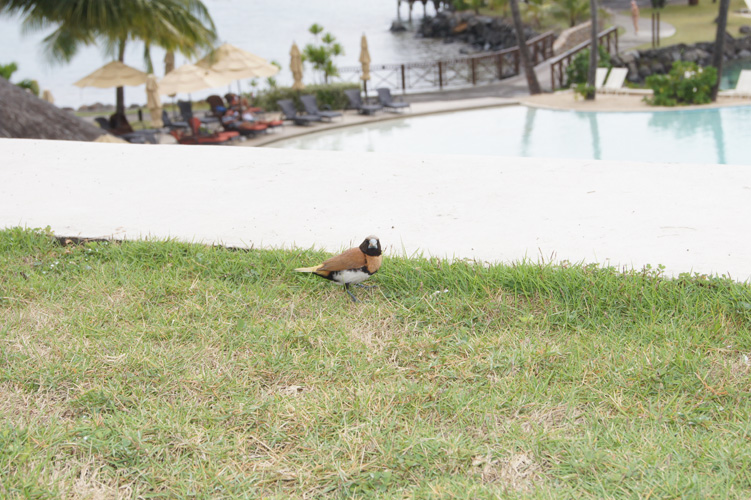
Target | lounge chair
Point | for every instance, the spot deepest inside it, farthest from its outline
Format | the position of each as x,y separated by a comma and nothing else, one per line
311,107
133,136
170,125
742,87
385,99
355,102
614,83
290,113
198,137
243,127
600,75
218,108
186,111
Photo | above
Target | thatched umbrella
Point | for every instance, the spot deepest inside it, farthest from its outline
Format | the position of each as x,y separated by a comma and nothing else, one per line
154,103
295,65
365,62
24,115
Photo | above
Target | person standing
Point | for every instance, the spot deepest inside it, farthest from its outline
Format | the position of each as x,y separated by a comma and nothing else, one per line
635,15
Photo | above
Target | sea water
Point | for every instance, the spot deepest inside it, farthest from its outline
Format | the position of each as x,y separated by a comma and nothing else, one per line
264,27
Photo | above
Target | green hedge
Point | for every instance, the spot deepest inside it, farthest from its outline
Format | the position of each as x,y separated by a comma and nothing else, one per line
327,95
686,83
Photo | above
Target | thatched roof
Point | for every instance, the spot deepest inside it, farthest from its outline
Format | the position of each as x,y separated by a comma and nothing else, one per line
24,115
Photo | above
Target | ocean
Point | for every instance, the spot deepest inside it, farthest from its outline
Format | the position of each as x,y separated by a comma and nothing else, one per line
264,27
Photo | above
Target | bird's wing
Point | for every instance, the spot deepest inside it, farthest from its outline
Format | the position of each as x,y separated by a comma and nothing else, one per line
351,259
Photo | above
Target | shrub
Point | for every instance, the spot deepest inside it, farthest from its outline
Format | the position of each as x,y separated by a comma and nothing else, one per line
576,72
327,95
686,83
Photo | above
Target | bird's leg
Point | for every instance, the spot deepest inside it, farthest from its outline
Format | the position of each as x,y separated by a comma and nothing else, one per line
351,295
367,287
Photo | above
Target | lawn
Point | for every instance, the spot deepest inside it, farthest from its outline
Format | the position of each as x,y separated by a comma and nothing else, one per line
163,369
696,23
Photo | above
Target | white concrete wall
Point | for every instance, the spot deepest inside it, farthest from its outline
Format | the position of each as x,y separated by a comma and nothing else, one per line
691,218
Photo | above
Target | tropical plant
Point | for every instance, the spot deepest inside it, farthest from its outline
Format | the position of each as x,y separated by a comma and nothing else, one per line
686,83
7,70
331,95
502,5
572,11
475,5
321,54
536,10
578,70
184,26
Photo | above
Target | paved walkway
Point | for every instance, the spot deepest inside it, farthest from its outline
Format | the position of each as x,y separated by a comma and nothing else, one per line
686,217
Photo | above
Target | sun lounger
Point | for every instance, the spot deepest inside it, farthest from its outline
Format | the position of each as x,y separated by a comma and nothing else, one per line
311,107
133,136
616,78
600,75
198,137
355,102
385,99
290,113
742,88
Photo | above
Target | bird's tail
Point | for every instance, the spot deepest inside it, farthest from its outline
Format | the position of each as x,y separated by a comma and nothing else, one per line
308,269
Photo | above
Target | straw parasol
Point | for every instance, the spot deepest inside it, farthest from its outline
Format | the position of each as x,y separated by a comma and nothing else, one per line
113,74
23,115
189,78
365,62
295,65
47,96
153,102
232,63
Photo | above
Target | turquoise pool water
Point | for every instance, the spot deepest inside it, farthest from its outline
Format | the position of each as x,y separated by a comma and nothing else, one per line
719,135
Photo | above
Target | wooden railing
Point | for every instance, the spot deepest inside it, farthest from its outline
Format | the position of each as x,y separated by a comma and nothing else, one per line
558,65
464,71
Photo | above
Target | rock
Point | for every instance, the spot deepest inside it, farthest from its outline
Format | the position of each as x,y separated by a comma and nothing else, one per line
397,26
745,30
644,71
744,54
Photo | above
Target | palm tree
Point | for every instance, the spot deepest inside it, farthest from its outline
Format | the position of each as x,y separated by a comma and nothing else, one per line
719,44
593,45
184,26
529,70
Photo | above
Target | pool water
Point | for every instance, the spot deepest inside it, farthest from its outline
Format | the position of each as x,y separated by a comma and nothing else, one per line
717,135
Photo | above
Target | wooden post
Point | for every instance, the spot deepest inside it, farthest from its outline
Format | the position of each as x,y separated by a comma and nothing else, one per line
499,64
440,75
404,80
472,67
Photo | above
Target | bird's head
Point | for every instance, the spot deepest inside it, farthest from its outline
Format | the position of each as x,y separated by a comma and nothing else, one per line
371,246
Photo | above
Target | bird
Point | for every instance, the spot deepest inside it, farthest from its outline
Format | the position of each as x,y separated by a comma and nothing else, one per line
352,266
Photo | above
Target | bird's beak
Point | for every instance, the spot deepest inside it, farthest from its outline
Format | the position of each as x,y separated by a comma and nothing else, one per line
373,243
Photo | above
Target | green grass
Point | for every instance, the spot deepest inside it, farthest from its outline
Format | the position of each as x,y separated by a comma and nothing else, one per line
167,370
696,23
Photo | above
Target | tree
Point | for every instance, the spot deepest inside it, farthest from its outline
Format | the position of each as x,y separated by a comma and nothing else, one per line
529,70
591,74
184,26
719,44
573,11
321,55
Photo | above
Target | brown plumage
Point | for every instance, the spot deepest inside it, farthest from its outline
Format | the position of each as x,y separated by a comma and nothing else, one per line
350,267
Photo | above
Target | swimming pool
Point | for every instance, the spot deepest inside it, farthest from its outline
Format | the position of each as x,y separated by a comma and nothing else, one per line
717,135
